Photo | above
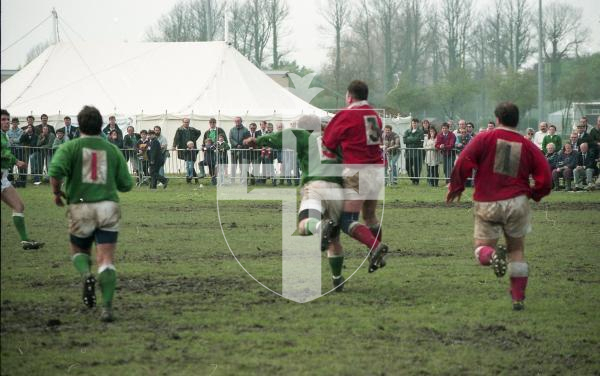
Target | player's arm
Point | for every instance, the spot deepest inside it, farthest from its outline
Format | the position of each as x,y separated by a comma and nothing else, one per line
272,140
541,174
57,171
332,136
8,157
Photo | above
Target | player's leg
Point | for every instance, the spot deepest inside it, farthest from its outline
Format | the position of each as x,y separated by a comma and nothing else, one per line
486,232
370,218
349,223
518,224
82,225
518,271
82,261
11,197
106,244
311,218
335,256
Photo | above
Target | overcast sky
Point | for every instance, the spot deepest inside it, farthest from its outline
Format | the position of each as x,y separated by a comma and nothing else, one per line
127,20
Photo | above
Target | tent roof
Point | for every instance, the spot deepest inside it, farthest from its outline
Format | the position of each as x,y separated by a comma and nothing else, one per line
204,78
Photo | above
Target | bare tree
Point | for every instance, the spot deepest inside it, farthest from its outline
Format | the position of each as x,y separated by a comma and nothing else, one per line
563,33
336,14
192,21
239,29
362,39
509,29
387,11
455,21
260,29
277,13
36,50
416,38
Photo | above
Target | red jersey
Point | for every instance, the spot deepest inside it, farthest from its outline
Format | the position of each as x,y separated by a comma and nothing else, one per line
504,160
357,131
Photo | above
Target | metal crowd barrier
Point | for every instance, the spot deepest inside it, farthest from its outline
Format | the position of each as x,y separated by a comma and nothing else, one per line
255,166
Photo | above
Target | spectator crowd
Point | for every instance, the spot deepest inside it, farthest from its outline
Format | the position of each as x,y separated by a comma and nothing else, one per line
425,149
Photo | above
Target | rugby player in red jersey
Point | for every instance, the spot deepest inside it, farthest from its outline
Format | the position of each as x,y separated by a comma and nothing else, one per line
356,133
504,161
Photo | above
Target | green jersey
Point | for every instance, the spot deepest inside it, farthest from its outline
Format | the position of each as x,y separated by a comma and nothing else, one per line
307,144
8,159
94,170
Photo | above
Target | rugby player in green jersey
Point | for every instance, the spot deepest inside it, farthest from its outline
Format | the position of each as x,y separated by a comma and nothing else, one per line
322,195
9,194
93,171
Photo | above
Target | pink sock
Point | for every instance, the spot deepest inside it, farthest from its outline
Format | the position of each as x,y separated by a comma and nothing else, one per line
517,287
484,254
365,236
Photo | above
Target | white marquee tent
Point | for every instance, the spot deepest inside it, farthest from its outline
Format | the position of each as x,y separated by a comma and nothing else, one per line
148,84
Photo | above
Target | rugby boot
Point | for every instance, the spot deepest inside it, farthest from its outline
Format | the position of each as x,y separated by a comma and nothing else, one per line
498,262
376,257
107,315
31,244
89,291
338,283
518,305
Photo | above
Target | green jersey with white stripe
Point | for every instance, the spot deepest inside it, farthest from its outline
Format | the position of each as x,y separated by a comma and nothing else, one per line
93,169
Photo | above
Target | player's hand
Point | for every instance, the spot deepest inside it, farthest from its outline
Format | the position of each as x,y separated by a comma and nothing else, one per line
21,164
451,196
58,196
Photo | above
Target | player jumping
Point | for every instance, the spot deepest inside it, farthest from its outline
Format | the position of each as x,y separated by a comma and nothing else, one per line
504,160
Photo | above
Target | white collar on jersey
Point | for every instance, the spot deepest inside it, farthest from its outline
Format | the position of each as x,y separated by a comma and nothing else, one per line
358,104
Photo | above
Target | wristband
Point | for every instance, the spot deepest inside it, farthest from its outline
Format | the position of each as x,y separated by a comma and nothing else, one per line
58,193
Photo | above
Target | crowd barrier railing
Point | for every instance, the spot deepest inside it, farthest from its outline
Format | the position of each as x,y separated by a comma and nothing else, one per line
260,166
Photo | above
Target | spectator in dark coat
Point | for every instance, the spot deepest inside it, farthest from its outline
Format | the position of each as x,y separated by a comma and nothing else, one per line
586,166
565,164
112,126
156,160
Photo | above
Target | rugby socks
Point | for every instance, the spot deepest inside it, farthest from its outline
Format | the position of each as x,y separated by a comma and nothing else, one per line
336,262
82,263
312,226
376,230
484,254
107,279
19,221
364,235
519,274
